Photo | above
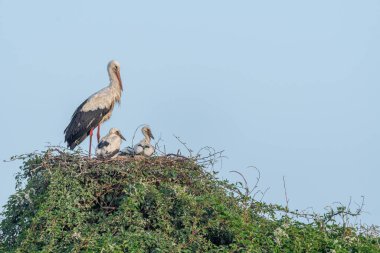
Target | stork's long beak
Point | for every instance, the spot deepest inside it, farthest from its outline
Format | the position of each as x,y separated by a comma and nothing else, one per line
122,137
150,134
119,78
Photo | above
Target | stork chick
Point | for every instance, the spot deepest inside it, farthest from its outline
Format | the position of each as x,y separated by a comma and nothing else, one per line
109,145
95,110
144,147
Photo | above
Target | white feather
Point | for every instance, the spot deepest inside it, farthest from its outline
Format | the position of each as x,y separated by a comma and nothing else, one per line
144,147
149,151
101,100
114,140
127,151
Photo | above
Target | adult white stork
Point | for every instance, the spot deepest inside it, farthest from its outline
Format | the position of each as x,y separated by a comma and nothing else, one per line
109,145
95,110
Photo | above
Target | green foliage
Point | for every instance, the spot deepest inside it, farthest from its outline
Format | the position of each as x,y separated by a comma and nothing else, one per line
67,203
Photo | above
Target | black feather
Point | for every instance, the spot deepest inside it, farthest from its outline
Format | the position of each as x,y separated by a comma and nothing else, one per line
143,146
103,144
81,124
109,155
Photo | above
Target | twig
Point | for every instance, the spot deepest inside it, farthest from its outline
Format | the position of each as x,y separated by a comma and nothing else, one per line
286,193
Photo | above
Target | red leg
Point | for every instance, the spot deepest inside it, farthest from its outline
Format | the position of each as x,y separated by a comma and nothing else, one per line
89,151
98,135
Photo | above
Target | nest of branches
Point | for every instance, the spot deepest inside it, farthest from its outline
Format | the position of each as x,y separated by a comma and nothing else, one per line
66,202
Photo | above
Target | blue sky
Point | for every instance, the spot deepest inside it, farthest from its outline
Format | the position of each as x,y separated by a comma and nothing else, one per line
291,87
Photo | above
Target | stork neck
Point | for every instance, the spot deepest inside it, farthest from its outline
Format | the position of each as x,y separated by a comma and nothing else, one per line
115,87
114,82
147,138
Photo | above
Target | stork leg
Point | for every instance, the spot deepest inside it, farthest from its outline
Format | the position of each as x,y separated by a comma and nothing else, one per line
89,150
98,134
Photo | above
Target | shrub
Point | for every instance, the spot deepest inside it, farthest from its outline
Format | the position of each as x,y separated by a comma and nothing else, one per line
67,203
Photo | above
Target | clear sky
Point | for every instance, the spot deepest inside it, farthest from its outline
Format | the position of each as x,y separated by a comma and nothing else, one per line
291,87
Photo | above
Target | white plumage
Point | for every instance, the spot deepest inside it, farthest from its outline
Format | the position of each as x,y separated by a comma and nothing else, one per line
95,110
144,147
109,145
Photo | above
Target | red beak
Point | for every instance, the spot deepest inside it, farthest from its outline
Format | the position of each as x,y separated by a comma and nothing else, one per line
118,78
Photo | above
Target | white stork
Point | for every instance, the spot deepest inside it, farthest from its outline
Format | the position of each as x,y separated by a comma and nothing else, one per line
95,110
143,147
109,145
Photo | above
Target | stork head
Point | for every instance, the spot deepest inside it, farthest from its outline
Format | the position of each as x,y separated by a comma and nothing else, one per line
117,132
114,71
147,132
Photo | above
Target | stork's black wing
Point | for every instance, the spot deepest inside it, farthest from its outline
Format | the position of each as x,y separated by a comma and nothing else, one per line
103,144
81,124
111,154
